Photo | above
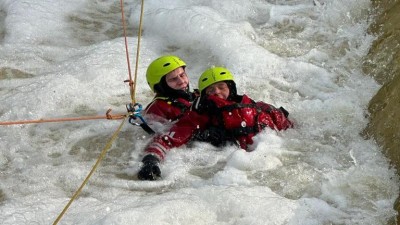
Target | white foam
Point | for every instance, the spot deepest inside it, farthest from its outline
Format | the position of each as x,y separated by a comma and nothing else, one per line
304,57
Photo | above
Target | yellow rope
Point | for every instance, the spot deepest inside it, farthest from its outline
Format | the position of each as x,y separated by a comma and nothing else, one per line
127,52
138,50
102,154
132,83
114,136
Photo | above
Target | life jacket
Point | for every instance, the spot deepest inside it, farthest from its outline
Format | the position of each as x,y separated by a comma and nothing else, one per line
182,104
237,118
168,108
245,119
220,122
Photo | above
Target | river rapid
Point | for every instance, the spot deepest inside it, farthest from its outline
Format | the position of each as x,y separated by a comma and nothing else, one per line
324,61
383,63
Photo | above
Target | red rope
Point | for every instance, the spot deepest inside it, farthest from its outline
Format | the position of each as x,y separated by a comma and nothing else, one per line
131,89
107,116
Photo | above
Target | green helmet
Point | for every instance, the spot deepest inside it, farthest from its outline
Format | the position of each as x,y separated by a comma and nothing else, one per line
214,75
161,67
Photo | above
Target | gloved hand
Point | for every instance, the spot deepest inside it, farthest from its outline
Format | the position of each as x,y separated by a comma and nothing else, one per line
203,105
150,169
214,135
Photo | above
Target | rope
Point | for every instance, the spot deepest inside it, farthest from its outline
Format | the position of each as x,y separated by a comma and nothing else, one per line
102,154
131,114
138,45
132,83
131,89
107,116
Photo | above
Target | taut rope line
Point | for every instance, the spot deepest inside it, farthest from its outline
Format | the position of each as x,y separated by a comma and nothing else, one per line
131,109
138,46
133,113
107,116
102,154
132,83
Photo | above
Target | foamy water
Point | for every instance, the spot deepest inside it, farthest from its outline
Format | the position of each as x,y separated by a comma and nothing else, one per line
67,59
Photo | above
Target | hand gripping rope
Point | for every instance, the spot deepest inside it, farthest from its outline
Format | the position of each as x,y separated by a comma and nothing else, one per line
134,111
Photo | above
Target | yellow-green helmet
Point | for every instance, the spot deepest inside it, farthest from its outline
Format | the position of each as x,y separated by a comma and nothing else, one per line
214,75
161,67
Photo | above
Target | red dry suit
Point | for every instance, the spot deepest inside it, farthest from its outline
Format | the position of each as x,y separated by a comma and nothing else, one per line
242,120
168,108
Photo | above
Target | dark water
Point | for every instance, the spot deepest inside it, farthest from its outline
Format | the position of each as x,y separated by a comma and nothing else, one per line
383,63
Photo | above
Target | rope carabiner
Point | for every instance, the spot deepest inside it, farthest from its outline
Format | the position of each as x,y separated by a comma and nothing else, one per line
134,112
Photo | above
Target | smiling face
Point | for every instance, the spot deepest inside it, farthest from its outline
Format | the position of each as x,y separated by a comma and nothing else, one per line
219,89
177,79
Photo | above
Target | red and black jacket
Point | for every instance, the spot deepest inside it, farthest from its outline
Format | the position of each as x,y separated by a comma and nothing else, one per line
241,119
169,109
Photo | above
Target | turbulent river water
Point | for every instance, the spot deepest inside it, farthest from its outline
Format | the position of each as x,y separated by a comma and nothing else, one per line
332,64
383,63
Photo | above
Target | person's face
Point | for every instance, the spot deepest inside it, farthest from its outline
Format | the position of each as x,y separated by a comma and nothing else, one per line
177,79
219,89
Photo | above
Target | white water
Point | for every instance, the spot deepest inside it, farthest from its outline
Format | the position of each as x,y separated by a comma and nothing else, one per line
67,59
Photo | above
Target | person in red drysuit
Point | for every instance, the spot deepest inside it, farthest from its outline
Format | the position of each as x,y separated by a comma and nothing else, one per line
219,115
167,78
